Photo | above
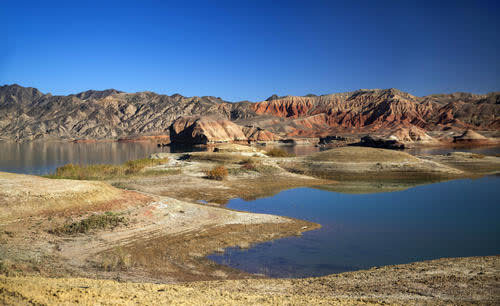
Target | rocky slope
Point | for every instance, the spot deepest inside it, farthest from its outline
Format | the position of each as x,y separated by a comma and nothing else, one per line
371,110
28,114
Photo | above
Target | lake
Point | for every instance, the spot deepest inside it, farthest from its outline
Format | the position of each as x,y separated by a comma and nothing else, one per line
450,219
44,157
456,218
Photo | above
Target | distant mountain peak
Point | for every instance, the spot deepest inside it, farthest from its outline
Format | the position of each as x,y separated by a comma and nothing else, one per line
27,114
273,97
96,94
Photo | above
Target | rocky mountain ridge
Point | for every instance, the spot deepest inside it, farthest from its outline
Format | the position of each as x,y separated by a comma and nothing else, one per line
372,110
28,114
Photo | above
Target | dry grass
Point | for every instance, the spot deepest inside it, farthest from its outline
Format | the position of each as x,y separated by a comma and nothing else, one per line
253,164
224,158
277,152
116,260
360,155
450,281
154,172
217,173
103,171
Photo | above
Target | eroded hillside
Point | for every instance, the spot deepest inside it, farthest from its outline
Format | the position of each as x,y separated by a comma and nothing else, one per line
28,114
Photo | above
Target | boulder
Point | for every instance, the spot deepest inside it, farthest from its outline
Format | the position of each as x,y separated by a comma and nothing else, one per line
194,130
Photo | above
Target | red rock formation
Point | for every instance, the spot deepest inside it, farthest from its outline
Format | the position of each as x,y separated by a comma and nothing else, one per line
253,133
411,134
204,130
291,107
372,110
27,114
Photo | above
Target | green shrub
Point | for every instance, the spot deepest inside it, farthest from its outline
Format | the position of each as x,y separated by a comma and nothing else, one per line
93,222
217,173
276,152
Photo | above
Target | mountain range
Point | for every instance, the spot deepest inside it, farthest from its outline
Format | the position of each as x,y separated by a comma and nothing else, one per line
28,114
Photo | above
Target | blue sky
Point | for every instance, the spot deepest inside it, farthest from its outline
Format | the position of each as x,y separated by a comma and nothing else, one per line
249,50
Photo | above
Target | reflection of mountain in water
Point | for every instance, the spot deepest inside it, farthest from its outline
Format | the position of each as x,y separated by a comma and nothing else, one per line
44,157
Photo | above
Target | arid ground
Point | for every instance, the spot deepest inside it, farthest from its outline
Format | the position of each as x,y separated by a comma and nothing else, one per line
141,234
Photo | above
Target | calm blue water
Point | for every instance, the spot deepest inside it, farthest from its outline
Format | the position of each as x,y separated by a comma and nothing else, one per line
44,157
451,219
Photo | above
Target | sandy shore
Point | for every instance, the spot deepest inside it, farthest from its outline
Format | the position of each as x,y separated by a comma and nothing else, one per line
164,240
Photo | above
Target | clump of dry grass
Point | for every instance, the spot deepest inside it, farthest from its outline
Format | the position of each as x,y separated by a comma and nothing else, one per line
277,152
103,171
4,266
249,166
153,172
217,173
107,220
252,164
249,163
114,260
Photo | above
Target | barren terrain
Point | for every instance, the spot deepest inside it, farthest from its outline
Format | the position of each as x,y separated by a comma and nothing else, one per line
458,281
158,224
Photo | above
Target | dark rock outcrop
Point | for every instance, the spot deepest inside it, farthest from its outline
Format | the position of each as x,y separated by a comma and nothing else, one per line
469,137
336,141
369,141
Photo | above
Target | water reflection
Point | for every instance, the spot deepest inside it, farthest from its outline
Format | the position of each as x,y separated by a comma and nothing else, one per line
488,150
306,149
451,219
44,157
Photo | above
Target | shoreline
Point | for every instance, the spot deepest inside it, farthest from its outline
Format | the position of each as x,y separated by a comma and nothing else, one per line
168,233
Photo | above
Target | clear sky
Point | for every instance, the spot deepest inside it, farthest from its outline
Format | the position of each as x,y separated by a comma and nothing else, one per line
249,50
